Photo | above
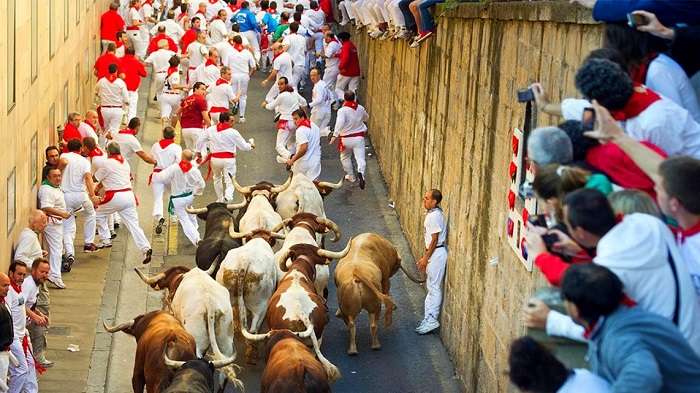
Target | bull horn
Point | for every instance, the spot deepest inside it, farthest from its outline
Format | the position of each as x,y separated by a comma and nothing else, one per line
235,206
281,187
149,280
282,261
240,188
254,336
212,267
309,331
281,225
278,235
223,362
176,364
195,210
334,186
334,254
330,224
237,235
117,328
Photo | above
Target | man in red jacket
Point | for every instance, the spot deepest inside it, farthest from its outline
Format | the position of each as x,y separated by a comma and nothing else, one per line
110,23
348,65
102,63
131,70
153,45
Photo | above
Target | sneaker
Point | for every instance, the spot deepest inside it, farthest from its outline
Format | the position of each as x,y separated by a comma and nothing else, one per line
428,327
90,248
241,119
67,264
281,160
420,325
41,358
350,178
159,226
420,38
104,245
57,282
112,234
147,256
362,180
116,225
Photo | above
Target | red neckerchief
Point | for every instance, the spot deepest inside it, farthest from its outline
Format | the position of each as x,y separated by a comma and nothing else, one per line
688,232
96,152
119,44
185,166
223,126
209,62
165,143
111,78
70,132
276,56
272,11
149,2
128,131
238,47
350,104
639,72
17,288
91,126
304,123
212,2
171,70
117,157
221,81
136,6
642,97
232,7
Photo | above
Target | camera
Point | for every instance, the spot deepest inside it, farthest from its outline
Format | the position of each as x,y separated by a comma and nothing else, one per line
634,20
526,95
588,119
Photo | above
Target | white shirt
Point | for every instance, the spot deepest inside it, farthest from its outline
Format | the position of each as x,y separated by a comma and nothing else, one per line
112,93
113,175
217,31
170,81
310,163
213,9
29,289
166,157
86,130
202,19
667,78
434,223
172,29
128,144
582,380
332,51
196,52
220,95
321,98
317,18
74,172
240,62
160,60
350,121
690,249
28,247
146,12
296,47
283,65
51,197
180,182
228,140
133,16
286,103
15,303
207,73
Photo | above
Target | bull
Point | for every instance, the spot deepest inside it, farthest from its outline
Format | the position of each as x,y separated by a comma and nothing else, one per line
304,195
192,376
260,212
203,307
216,243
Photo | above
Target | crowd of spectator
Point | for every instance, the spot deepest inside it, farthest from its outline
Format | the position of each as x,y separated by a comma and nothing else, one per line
618,186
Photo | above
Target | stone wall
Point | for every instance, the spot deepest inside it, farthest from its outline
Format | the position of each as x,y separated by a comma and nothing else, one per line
442,116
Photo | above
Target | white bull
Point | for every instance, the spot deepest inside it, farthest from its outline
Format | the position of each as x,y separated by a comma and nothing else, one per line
303,195
260,214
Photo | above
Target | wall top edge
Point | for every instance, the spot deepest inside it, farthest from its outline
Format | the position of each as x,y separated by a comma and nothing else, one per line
537,11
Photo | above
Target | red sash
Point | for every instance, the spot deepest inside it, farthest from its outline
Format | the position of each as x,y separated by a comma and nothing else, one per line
341,146
150,177
218,109
642,97
223,154
109,194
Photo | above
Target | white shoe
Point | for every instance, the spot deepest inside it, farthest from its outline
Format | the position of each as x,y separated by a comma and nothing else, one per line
428,327
281,160
57,282
350,179
420,325
241,119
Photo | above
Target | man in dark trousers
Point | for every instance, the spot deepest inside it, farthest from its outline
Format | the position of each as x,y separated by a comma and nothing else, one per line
6,331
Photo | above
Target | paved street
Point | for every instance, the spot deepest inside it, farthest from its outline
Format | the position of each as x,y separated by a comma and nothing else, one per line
406,363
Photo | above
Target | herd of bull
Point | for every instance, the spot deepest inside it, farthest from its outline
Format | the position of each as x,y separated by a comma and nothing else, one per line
189,345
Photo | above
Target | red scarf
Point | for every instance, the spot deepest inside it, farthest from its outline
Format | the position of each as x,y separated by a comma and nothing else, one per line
70,132
128,131
111,78
149,2
686,233
639,73
642,97
351,104
165,143
117,157
16,287
212,2
96,152
238,47
171,70
233,7
304,123
185,166
136,6
209,62
119,44
223,126
221,81
276,56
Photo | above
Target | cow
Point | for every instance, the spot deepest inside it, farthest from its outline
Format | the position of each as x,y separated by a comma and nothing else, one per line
306,228
204,308
250,270
304,195
192,376
260,212
216,242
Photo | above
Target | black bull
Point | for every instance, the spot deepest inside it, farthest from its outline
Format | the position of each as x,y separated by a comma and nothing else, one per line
195,376
216,242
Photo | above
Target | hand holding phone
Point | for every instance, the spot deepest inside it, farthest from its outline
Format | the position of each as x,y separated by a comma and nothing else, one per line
588,119
635,20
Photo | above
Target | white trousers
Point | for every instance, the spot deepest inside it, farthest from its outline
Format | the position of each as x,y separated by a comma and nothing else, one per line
159,81
396,15
158,189
133,105
252,37
53,234
435,275
330,76
322,119
123,203
112,118
272,93
346,83
4,368
297,75
223,169
190,137
188,221
285,142
23,376
74,200
168,104
239,82
354,146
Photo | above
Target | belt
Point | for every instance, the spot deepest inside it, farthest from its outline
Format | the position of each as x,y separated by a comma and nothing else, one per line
440,246
171,92
161,72
110,106
150,177
109,194
133,28
171,206
218,109
223,154
341,146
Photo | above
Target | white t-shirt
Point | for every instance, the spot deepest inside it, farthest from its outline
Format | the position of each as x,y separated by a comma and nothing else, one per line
86,130
170,81
240,62
217,31
283,65
310,163
172,29
28,247
133,16
208,74
332,51
181,182
286,103
350,121
667,78
166,157
29,289
15,303
227,140
296,47
584,381
51,197
113,174
160,60
219,95
112,93
321,98
74,172
689,247
434,223
196,52
128,145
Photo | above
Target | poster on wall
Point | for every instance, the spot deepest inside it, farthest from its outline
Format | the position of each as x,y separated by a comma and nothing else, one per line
10,201
521,202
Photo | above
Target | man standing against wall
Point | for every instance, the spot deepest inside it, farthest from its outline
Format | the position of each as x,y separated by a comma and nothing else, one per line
28,245
37,305
7,334
53,203
22,374
433,262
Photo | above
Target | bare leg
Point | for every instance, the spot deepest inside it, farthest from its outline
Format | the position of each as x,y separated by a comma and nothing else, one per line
373,328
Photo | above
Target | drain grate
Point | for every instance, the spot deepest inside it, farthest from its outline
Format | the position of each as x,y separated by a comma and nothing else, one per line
59,331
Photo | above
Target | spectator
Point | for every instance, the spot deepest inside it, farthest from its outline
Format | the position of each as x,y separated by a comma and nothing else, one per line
670,12
424,19
348,66
23,373
548,145
626,202
28,245
532,368
555,181
37,304
7,333
634,350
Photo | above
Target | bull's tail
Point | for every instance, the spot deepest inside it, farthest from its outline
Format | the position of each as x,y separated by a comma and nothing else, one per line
410,275
386,299
331,370
229,371
239,303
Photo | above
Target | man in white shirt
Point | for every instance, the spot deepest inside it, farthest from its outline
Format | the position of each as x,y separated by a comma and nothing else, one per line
86,128
172,28
79,194
185,180
242,65
350,130
307,158
114,96
160,60
7,334
281,67
28,246
434,260
172,93
208,72
23,373
223,141
285,104
331,53
130,145
136,28
220,95
217,28
37,305
214,8
166,152
52,202
196,54
295,45
321,100
114,175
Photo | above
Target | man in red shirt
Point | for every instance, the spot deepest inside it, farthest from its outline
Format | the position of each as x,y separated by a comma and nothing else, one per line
348,65
110,23
153,45
70,130
102,63
194,115
190,35
131,70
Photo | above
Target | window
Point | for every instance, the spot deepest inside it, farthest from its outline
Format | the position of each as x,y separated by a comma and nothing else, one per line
77,11
52,123
35,40
66,18
11,192
77,86
86,56
11,76
66,102
52,44
33,161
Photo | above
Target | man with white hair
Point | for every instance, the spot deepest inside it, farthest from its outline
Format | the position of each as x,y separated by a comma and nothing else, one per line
166,152
220,95
242,65
114,175
160,60
114,96
53,203
184,180
28,246
208,72
548,145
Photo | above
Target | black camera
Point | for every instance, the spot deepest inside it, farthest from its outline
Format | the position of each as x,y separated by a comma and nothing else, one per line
526,95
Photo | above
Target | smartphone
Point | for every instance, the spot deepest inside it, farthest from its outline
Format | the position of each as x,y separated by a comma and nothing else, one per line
538,220
588,119
526,95
634,20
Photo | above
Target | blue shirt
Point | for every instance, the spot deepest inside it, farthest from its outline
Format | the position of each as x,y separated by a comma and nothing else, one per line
246,20
270,21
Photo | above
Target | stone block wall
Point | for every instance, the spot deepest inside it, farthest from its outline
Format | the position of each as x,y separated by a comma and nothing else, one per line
442,116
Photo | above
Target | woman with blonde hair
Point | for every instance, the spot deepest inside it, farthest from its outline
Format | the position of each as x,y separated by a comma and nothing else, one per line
626,202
